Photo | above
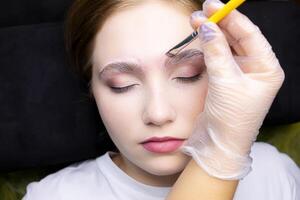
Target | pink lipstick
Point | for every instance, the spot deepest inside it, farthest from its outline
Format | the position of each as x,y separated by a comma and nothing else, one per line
162,145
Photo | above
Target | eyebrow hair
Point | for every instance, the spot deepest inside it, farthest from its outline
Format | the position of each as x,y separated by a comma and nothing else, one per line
132,67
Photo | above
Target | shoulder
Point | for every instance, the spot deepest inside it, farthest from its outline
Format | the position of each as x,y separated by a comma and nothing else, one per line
267,156
66,181
274,174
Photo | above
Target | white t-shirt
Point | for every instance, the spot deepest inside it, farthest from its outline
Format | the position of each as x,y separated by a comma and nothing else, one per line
274,176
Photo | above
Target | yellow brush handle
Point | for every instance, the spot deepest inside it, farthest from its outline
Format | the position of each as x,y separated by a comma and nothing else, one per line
227,8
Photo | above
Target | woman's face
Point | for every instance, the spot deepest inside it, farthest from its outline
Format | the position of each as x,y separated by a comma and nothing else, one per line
157,103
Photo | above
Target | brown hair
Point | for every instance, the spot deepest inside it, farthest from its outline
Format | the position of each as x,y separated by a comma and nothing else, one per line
85,18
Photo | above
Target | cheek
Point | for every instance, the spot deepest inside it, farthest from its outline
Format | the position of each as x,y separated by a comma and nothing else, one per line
190,105
114,113
192,100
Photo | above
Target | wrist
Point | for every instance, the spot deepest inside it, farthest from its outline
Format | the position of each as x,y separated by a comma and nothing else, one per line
216,160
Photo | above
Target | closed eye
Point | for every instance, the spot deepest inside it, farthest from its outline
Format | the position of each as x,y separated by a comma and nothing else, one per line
178,79
189,79
121,89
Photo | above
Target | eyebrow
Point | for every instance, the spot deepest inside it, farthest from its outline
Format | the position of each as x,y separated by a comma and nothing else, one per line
133,67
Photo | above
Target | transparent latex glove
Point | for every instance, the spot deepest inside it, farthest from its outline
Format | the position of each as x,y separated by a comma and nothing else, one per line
242,84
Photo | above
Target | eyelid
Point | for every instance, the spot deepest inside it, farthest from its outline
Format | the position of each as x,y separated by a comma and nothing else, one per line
184,72
183,80
189,70
189,79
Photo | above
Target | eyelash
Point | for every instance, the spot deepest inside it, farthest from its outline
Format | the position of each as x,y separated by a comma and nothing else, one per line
178,79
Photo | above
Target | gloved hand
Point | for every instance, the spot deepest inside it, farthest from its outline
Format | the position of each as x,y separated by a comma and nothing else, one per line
242,85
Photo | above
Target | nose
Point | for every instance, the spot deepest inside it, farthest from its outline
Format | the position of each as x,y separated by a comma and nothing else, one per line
158,109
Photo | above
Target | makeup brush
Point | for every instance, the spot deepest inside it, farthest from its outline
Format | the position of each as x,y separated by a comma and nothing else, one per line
220,14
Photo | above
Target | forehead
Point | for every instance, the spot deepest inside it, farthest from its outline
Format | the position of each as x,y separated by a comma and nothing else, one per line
144,32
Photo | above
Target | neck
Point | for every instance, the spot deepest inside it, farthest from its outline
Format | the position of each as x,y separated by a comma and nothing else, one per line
143,176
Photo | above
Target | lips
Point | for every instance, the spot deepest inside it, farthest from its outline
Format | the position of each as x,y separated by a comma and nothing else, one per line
160,139
162,145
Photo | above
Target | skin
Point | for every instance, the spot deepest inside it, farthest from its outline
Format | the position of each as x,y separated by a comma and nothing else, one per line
195,184
157,105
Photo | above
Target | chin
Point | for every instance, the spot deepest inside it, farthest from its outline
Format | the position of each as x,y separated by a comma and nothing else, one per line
165,171
165,166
